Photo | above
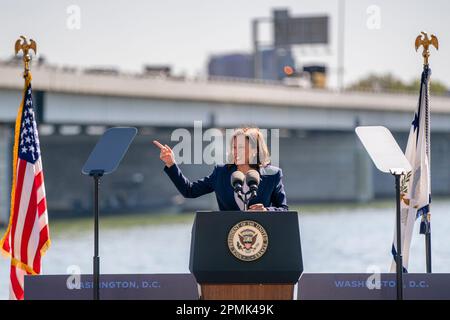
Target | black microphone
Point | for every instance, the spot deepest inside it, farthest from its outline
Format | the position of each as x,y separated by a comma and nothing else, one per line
252,179
237,180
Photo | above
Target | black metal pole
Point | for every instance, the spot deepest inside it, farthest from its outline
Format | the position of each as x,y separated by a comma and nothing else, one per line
96,260
399,258
96,271
428,246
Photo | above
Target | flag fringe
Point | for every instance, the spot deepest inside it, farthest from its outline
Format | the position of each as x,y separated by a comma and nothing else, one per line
18,264
45,247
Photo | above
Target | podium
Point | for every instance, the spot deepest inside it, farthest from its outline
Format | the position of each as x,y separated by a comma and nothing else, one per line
246,255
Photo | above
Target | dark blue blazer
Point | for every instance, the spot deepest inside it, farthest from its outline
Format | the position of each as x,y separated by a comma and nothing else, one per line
270,192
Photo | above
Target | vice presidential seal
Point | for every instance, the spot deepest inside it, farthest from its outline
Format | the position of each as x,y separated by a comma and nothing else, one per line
248,240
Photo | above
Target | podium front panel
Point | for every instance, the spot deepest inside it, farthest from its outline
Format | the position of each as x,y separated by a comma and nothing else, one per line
212,260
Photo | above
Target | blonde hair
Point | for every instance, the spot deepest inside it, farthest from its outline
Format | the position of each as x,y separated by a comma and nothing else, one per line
256,141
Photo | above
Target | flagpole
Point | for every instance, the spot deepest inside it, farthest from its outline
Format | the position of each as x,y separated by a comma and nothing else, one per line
426,217
428,247
425,41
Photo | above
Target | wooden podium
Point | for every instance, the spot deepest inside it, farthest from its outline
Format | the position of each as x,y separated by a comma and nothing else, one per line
262,291
246,256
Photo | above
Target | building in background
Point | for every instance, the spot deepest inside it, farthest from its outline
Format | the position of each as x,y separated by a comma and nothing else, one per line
234,65
240,65
275,61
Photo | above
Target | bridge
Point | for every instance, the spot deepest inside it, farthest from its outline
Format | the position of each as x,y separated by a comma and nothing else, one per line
321,158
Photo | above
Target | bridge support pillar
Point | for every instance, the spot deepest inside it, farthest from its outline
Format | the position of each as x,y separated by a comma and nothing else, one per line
6,140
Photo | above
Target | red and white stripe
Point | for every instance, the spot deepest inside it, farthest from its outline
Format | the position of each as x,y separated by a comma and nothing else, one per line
29,230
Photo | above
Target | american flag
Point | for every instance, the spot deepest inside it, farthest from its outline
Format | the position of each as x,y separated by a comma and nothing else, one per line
27,237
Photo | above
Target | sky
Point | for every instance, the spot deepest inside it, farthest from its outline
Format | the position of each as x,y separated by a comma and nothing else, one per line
379,35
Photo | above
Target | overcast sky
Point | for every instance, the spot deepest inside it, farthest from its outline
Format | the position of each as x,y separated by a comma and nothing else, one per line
183,33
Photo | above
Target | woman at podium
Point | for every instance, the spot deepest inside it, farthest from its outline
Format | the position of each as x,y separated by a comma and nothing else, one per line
249,152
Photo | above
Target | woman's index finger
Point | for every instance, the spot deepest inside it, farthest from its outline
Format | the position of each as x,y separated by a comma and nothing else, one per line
159,145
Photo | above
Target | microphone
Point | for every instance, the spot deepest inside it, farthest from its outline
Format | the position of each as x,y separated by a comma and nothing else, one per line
252,179
237,180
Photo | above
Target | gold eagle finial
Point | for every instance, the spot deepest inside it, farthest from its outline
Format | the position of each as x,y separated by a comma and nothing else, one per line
22,44
424,40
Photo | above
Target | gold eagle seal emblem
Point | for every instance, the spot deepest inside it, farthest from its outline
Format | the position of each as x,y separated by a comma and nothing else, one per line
248,240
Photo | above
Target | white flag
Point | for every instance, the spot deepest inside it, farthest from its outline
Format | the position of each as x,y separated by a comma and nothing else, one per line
416,185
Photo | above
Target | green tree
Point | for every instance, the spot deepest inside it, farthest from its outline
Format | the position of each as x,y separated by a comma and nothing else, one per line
390,83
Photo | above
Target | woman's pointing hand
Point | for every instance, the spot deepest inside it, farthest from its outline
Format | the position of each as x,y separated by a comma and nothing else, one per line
166,154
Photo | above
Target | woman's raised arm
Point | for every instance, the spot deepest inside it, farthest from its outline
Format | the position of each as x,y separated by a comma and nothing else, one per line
187,188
